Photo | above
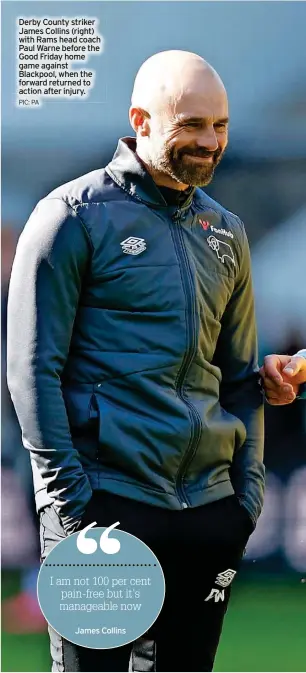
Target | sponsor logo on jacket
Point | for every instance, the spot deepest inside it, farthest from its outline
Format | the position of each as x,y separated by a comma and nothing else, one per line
206,225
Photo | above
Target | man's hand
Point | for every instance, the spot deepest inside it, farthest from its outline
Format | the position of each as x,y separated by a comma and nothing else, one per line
282,376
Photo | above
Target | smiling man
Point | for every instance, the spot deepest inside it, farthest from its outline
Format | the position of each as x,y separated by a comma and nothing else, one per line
182,131
132,363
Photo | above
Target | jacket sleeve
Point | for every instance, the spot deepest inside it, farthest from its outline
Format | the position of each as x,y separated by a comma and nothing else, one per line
51,259
240,391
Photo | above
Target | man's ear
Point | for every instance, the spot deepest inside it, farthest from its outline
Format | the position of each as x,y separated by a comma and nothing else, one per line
140,121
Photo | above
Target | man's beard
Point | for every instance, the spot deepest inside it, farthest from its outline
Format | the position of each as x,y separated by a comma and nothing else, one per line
176,164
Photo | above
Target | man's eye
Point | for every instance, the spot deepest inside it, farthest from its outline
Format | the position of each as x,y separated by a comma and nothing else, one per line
222,127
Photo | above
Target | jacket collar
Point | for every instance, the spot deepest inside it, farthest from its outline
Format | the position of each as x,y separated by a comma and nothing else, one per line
130,174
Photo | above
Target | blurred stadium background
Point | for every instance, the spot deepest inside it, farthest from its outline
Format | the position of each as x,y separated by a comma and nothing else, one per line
259,50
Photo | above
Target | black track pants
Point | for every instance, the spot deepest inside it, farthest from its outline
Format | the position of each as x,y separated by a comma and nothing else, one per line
199,549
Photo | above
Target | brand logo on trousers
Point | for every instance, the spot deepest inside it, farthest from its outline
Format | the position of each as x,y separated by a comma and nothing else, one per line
216,594
225,578
133,245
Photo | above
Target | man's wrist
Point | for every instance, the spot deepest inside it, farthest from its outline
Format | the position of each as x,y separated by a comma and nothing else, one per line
72,523
302,388
301,353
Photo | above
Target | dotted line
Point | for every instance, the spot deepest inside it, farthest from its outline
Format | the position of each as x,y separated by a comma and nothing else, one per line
95,565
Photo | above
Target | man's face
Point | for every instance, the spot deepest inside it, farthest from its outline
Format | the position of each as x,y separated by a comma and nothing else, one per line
187,142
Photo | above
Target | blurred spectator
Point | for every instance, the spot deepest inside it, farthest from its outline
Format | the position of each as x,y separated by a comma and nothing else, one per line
20,613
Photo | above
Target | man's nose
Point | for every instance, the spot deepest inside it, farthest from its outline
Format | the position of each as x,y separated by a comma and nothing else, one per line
208,139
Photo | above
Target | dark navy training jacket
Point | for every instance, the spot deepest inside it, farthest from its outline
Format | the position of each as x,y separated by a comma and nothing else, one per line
132,354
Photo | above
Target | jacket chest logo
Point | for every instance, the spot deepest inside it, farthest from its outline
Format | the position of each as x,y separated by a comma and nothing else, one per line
221,249
205,224
133,245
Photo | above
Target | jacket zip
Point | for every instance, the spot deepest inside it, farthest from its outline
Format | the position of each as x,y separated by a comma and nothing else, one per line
196,424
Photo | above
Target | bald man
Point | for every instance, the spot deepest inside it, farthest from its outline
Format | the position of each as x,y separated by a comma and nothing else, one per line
132,363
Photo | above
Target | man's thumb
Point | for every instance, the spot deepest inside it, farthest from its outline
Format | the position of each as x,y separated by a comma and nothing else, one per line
292,367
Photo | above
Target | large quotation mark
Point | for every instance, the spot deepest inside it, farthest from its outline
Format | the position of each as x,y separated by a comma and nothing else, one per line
88,545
